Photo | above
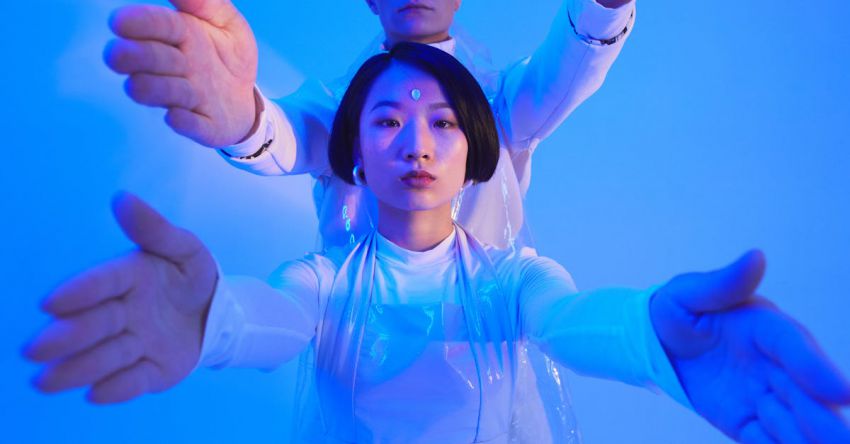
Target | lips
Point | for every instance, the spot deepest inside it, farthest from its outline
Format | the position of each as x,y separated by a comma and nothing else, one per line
418,179
414,6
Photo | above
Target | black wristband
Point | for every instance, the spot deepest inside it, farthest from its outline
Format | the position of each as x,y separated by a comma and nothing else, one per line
601,42
258,153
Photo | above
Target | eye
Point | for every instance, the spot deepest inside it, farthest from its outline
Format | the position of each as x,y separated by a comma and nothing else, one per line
444,124
389,123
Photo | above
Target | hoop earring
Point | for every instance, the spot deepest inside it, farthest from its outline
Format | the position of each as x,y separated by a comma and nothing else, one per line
358,176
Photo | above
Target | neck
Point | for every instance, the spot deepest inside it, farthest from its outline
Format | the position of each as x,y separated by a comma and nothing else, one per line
425,39
415,230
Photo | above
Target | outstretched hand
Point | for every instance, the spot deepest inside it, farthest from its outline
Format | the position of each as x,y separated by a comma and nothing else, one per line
198,61
749,369
132,325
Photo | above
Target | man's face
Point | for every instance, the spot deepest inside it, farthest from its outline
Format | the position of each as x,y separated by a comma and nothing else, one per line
421,21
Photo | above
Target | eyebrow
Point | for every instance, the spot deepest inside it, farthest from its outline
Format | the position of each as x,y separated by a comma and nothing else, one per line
394,104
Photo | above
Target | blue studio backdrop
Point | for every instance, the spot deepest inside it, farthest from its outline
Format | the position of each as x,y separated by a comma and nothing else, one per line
722,126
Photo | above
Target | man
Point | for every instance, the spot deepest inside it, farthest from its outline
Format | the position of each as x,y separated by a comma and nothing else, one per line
200,63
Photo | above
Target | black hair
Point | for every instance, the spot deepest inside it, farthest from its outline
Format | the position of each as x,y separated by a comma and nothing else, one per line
465,96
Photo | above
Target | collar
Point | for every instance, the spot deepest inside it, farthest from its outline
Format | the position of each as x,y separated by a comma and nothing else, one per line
386,250
447,45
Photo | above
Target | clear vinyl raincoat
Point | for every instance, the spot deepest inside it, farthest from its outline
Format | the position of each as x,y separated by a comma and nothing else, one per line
370,373
399,350
530,99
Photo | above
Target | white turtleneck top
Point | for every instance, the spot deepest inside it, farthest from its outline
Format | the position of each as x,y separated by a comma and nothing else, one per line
413,380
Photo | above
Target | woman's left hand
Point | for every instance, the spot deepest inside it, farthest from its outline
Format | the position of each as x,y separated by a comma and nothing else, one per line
749,369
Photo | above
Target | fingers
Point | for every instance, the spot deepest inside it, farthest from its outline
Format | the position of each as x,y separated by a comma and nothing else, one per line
107,281
165,91
145,56
193,125
91,365
151,232
217,12
720,289
67,336
818,422
128,383
777,421
753,433
789,345
149,22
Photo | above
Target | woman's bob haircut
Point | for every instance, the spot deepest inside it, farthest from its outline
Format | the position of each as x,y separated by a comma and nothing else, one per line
466,98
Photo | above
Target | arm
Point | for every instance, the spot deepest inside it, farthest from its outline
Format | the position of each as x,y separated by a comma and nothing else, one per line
605,333
289,138
539,92
746,367
199,62
141,323
257,325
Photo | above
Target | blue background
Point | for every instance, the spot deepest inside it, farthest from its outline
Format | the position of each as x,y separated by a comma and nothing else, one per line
722,126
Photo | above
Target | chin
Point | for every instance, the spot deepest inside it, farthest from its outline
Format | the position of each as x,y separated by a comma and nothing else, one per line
420,31
418,203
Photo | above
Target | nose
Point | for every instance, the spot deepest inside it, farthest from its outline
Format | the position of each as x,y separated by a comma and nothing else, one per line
417,142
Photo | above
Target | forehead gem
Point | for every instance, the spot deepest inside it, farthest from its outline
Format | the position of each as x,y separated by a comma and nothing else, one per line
415,94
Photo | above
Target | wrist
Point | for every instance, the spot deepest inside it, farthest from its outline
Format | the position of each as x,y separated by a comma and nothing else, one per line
258,112
259,138
598,25
613,4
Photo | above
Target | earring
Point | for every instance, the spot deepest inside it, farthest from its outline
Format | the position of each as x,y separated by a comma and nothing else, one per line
358,175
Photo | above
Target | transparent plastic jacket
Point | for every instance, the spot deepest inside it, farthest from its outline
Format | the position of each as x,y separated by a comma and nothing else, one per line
517,394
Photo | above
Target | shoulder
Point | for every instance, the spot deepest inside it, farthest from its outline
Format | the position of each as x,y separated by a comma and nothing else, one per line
516,257
310,270
523,266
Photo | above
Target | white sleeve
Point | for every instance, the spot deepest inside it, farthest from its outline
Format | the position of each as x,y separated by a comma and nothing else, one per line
291,138
253,324
605,333
539,92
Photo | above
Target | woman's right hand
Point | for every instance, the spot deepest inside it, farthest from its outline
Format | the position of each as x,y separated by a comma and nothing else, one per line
132,325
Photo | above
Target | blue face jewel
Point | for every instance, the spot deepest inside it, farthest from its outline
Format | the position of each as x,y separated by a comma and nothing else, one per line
415,94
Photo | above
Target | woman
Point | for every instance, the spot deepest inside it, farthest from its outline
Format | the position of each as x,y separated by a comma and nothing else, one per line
413,129
418,331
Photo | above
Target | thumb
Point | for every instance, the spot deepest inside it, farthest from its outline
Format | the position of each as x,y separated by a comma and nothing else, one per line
719,289
151,231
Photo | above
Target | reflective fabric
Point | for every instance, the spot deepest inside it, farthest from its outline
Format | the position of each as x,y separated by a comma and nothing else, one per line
374,359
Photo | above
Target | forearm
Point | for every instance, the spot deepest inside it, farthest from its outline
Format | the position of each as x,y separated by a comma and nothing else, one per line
251,324
604,333
269,150
289,137
571,64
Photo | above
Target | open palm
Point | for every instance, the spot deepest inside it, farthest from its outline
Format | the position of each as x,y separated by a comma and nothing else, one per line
132,325
198,61
748,368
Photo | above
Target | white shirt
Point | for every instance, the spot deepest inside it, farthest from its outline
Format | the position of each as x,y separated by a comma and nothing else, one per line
415,380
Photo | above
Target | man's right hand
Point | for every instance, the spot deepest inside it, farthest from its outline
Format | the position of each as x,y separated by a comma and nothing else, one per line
198,61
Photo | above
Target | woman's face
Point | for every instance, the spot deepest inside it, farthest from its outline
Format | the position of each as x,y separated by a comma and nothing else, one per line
413,151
